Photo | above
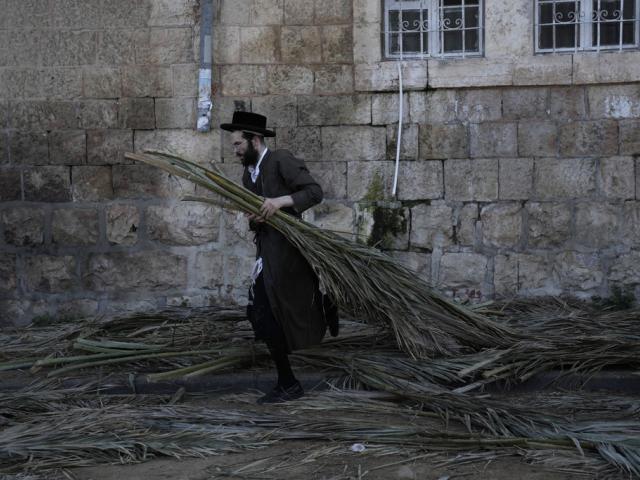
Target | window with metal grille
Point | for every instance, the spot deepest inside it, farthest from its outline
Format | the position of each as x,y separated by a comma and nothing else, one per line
572,25
433,28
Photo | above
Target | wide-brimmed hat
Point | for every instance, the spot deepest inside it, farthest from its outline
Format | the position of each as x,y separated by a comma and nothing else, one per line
249,122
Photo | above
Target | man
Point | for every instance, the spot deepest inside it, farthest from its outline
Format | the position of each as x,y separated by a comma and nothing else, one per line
286,308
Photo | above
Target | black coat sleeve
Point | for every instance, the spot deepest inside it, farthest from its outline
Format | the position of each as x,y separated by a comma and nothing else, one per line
306,192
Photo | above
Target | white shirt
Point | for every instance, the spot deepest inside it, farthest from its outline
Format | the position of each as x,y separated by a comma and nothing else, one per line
255,171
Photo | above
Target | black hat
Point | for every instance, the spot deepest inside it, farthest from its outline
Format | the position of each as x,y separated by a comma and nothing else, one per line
249,122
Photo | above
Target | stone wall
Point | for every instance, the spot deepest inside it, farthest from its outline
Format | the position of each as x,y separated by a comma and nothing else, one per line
519,173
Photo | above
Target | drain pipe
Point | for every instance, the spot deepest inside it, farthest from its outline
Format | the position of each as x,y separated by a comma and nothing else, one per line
206,62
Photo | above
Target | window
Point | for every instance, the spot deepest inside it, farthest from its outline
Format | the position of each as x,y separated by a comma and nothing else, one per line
571,25
433,28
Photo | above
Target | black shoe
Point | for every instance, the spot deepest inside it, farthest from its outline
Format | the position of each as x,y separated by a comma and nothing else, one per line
280,394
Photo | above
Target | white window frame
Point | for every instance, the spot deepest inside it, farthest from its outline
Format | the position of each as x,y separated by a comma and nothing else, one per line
434,30
584,40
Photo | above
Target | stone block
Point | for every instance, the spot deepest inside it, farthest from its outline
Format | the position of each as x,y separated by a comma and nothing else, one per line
629,137
366,11
597,224
473,72
484,105
422,180
10,184
510,27
592,138
235,12
493,139
75,227
301,44
298,12
463,275
549,224
467,217
366,47
515,178
142,181
334,110
578,273
146,81
383,76
176,112
203,149
123,222
432,226
185,80
14,313
501,224
333,79
47,184
369,180
238,275
238,80
165,46
519,103
76,309
303,142
75,14
566,178
68,48
281,110
68,147
23,226
332,177
384,226
55,83
107,147
137,113
631,224
537,138
289,79
543,70
332,216
226,44
165,13
614,101
152,271
353,143
122,13
594,67
419,263
337,44
8,281
50,274
434,106
267,12
238,239
471,180
567,103
186,223
617,177
91,183
385,108
210,272
625,270
27,14
118,46
28,148
98,114
259,44
438,141
525,275
409,142
101,82
333,11
41,115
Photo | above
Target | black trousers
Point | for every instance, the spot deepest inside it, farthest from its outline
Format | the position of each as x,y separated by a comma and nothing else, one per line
265,325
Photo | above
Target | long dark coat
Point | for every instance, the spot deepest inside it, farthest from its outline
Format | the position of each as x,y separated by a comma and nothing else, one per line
290,283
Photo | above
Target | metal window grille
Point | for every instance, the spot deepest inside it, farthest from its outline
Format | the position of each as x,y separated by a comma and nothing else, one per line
573,25
433,28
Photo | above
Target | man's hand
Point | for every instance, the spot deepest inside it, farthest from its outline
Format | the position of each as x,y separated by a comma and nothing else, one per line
272,205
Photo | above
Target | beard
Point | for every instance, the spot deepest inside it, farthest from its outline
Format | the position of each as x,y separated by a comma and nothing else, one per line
250,157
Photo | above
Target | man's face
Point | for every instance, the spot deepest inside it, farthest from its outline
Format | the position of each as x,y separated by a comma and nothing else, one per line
244,149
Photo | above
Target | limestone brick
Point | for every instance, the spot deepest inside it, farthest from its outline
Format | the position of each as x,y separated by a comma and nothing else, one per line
226,44
235,12
334,110
165,46
142,181
122,13
267,12
593,67
91,183
592,138
419,263
68,47
631,224
440,141
146,81
473,72
210,271
332,216
483,105
421,180
8,281
281,110
118,47
567,178
101,82
463,275
366,48
383,76
434,106
303,142
567,103
259,44
203,149
185,80
625,269
290,79
385,108
298,12
123,222
68,147
579,273
332,177
384,225
524,274
98,113
510,27
466,224
409,142
431,226
537,138
614,101
493,140
515,179
137,113
107,147
186,223
75,309
333,79
165,13
301,44
333,11
337,44
175,112
521,103
501,224
47,184
151,271
23,226
30,148
75,227
10,184
50,274
549,224
630,137
238,80
543,70
40,115
471,180
353,143
369,180
597,224
617,177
